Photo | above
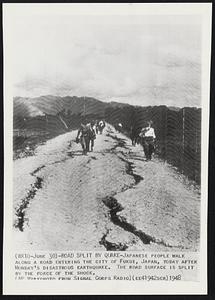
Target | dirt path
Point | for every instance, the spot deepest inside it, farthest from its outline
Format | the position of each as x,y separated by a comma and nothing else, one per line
111,199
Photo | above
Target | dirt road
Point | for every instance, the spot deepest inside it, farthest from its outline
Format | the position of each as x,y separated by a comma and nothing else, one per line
111,199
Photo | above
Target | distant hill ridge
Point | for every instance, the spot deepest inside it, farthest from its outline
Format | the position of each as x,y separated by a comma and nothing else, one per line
52,105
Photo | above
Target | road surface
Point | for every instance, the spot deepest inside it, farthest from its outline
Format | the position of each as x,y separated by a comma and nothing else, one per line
110,199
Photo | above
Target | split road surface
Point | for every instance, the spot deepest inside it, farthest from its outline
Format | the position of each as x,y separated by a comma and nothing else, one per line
110,199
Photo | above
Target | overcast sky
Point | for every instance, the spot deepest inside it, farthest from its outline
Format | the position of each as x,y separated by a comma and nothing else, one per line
134,59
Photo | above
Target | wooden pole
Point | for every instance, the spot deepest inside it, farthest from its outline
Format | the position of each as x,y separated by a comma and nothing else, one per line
84,108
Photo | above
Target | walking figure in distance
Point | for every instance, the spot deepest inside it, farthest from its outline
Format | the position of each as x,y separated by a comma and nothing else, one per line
92,134
134,135
100,126
148,137
118,127
83,136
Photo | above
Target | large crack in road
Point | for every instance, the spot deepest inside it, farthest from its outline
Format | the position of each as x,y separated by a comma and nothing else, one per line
20,210
120,221
109,246
115,207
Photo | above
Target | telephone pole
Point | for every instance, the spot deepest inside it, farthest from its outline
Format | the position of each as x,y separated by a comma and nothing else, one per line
84,108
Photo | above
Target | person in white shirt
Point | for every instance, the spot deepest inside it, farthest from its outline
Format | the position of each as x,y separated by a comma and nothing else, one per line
92,133
100,126
118,127
148,137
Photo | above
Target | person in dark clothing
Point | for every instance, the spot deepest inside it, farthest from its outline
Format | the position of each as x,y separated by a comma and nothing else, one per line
83,136
134,135
92,134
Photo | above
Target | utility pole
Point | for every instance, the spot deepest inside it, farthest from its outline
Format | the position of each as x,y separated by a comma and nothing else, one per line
84,108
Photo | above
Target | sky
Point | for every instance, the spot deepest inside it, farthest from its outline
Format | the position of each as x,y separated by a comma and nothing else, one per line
140,60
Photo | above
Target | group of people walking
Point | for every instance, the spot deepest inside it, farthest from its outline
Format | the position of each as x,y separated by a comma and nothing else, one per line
87,134
145,136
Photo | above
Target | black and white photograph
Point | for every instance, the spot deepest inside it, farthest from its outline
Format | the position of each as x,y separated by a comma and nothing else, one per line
107,113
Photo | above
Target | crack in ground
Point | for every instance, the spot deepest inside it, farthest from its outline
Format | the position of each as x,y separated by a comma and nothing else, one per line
93,157
20,211
58,161
120,142
115,207
129,170
88,161
37,170
112,246
128,165
43,166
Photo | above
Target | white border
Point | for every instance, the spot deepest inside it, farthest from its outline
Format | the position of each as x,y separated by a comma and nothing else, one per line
62,288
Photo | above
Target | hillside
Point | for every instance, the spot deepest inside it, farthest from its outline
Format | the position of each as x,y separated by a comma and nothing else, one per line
52,105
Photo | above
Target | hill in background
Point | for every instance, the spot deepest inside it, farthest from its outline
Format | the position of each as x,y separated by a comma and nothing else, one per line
52,105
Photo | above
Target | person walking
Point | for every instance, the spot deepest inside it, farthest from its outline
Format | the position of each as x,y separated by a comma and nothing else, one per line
83,136
92,134
101,126
148,137
134,135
